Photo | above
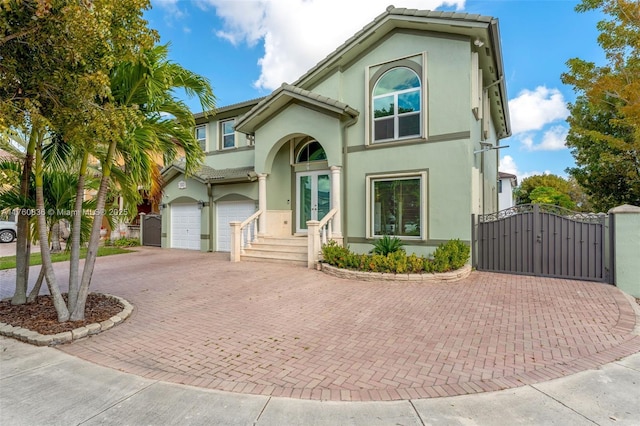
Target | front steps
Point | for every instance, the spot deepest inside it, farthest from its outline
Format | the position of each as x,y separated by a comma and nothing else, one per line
289,250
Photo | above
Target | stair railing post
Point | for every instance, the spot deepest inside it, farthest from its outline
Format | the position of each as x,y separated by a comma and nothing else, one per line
236,237
313,243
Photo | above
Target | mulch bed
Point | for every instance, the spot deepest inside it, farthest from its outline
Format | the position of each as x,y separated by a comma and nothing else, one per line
41,316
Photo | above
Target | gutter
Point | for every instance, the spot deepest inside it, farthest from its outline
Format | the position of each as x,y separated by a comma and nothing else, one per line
494,33
345,158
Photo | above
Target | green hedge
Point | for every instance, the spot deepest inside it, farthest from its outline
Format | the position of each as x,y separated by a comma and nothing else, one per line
447,257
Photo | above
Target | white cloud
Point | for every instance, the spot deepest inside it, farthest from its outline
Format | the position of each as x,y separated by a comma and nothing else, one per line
532,110
553,139
508,165
174,11
297,34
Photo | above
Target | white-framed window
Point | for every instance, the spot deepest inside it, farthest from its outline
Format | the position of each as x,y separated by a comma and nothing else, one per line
228,135
397,105
201,136
397,205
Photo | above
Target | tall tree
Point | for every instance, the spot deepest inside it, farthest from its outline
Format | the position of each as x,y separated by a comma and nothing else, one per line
160,126
604,133
56,59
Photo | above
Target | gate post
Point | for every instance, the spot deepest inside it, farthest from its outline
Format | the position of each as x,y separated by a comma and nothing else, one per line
474,245
625,227
142,215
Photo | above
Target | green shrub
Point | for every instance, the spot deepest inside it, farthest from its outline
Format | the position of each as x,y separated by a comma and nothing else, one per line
335,254
451,255
448,256
126,242
386,245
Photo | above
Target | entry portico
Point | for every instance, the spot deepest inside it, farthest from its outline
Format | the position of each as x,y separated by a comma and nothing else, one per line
308,129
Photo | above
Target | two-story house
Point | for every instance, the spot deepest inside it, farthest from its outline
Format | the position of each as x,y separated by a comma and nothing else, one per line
395,132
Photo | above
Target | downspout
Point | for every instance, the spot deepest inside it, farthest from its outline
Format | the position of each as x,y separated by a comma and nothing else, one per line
210,195
345,157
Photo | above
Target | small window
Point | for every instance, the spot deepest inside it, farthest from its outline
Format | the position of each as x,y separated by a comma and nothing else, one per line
396,206
228,134
312,151
397,100
201,137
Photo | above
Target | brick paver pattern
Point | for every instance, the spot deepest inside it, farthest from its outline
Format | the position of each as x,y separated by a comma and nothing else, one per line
281,330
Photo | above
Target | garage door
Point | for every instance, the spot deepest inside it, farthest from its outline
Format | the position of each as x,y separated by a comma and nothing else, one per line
228,211
185,226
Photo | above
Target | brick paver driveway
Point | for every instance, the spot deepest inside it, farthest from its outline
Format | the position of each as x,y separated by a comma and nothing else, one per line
288,331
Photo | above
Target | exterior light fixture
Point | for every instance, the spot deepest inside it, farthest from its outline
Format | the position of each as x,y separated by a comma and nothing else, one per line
478,42
200,204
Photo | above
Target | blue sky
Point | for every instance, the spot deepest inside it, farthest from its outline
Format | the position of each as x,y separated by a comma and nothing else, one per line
247,48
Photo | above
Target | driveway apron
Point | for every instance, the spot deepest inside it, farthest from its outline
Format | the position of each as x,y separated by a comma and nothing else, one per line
278,330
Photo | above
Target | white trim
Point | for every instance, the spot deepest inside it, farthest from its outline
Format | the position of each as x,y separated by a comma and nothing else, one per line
314,196
222,134
423,176
476,86
367,106
424,131
202,126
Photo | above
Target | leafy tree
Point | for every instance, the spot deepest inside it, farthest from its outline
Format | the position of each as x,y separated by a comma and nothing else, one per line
548,195
56,57
529,184
604,133
88,72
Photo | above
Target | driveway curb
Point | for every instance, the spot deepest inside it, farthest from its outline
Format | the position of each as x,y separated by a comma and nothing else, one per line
35,338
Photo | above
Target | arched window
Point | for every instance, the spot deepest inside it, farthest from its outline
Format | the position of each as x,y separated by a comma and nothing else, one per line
397,100
312,151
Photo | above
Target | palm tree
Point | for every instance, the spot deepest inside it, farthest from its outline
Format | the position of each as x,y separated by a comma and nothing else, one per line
160,126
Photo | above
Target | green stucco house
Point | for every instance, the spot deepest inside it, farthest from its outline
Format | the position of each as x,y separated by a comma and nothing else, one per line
395,132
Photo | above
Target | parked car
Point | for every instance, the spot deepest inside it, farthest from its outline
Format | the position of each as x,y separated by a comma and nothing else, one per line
8,231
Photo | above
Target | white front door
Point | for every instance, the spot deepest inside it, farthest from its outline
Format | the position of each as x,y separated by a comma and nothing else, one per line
185,226
229,211
313,197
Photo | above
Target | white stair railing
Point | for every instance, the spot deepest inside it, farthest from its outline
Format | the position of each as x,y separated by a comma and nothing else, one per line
243,234
319,234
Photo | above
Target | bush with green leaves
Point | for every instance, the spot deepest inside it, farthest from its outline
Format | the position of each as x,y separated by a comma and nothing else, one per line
386,245
447,257
123,242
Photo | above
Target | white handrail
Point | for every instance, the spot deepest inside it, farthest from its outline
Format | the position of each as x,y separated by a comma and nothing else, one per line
247,231
326,226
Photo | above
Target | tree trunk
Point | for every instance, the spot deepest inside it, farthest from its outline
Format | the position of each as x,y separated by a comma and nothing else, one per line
94,241
74,260
52,283
55,238
23,243
35,291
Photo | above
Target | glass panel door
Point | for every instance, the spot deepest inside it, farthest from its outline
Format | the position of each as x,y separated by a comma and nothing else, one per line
314,197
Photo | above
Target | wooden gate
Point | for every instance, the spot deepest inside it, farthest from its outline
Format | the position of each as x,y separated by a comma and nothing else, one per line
151,230
543,240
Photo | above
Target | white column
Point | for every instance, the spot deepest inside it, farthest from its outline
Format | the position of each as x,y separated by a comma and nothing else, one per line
262,203
336,196
236,244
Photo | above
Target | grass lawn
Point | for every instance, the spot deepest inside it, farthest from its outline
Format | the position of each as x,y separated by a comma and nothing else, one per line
9,262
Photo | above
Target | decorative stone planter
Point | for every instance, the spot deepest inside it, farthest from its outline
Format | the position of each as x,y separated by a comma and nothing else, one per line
451,276
38,339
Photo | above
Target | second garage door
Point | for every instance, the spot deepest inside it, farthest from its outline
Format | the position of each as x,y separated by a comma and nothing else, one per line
185,226
229,211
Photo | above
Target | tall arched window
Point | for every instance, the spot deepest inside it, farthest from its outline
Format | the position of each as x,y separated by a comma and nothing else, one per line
397,97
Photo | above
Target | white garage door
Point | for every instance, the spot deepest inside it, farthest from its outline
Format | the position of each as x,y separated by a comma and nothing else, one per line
228,211
185,226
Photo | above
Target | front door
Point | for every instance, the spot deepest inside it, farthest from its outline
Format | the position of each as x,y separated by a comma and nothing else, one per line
314,197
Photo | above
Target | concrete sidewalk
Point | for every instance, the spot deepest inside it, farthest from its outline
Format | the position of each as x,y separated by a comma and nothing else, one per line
44,386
